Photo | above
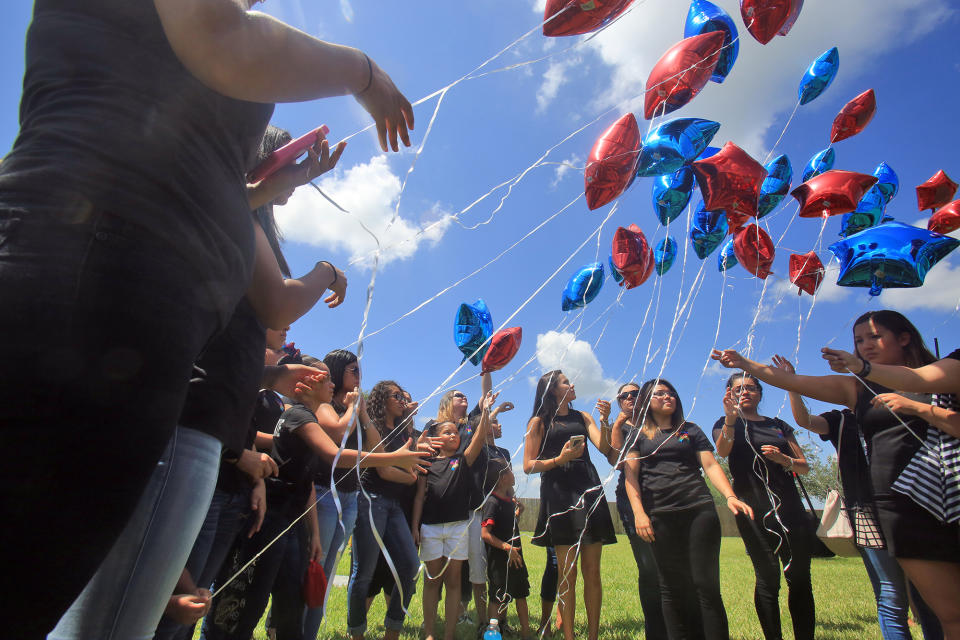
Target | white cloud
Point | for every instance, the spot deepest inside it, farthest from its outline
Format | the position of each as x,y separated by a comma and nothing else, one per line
347,10
369,192
573,163
762,87
556,75
562,350
940,291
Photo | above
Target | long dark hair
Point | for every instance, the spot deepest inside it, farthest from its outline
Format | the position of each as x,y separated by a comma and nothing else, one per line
337,361
649,427
545,405
273,139
376,403
916,352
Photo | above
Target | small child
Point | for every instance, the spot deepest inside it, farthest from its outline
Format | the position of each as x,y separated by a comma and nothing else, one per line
506,571
441,517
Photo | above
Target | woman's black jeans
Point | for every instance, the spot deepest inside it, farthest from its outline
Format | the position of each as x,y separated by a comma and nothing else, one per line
648,585
99,328
687,548
767,550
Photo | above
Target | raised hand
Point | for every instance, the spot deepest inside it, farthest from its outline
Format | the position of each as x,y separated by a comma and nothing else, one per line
390,110
729,358
842,361
782,363
603,408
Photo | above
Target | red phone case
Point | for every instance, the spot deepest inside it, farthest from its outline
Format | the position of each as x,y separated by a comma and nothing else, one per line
286,154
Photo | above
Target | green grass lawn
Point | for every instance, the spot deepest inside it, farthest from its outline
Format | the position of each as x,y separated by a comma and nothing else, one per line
845,605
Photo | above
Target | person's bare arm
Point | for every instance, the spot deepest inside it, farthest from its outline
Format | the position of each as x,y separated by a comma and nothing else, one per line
480,435
251,56
418,509
801,414
721,483
942,376
944,419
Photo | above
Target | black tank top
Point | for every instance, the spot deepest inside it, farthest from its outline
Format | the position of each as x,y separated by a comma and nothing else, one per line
111,121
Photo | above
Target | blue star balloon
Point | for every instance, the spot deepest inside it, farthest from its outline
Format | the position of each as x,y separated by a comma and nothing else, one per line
869,213
887,180
820,163
472,329
727,257
664,255
583,287
708,152
673,144
708,230
704,17
775,186
819,75
890,255
671,194
617,276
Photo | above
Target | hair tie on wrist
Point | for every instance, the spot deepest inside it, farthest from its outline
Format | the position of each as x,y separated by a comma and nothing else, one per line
369,75
332,268
866,368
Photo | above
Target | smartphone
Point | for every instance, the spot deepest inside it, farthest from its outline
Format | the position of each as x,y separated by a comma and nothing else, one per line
287,154
577,440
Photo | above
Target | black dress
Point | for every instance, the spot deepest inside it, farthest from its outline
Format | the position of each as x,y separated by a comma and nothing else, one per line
910,530
573,506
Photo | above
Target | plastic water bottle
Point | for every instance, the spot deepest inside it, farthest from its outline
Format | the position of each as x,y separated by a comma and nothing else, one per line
493,630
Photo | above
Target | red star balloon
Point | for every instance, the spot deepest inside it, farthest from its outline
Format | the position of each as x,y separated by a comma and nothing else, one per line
765,18
754,250
612,162
946,219
632,256
681,73
806,271
854,116
936,191
503,346
573,17
730,180
832,193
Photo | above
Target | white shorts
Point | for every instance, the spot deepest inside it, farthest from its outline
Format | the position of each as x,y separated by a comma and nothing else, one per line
447,540
477,552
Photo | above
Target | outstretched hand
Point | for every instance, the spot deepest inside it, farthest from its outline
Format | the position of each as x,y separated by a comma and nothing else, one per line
842,361
729,358
782,363
390,110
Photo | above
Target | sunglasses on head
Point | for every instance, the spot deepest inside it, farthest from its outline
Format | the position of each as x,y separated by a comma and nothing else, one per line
632,395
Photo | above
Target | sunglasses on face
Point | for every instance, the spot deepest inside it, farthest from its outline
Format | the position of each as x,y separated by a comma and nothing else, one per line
399,397
663,394
631,395
460,395
745,389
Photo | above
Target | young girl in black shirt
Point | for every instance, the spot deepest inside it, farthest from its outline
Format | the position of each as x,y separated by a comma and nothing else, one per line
441,517
673,510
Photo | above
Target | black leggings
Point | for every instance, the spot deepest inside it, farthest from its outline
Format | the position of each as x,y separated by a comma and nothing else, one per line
794,553
648,583
687,549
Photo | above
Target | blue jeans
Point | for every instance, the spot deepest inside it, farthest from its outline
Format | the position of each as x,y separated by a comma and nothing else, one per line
332,535
130,590
225,520
890,590
387,518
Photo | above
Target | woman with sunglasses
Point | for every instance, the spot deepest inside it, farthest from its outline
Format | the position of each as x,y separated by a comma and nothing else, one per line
925,546
674,511
574,518
622,437
763,455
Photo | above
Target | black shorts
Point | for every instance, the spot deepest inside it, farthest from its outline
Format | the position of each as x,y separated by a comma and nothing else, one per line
912,532
505,583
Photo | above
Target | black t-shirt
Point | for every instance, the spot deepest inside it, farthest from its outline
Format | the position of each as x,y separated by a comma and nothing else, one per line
347,478
954,355
670,476
851,457
752,473
111,120
449,488
266,412
296,460
404,494
226,377
889,444
500,516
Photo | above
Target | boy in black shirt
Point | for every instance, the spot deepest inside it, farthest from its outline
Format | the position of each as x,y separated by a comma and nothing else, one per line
506,571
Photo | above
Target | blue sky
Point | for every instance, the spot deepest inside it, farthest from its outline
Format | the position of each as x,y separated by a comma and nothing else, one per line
462,232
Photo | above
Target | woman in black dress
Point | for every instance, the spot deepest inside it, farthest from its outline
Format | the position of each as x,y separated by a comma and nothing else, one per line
927,548
574,517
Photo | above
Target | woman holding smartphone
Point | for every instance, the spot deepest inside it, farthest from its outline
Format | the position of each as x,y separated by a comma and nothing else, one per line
574,517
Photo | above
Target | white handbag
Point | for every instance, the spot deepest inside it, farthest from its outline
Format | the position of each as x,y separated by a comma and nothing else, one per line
834,529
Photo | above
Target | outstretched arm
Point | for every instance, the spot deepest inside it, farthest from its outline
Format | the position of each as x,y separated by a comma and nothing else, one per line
479,439
801,414
251,56
942,376
840,390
